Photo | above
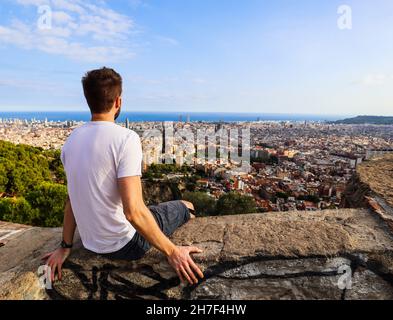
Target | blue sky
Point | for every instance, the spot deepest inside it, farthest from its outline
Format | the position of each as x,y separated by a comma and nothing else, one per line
281,56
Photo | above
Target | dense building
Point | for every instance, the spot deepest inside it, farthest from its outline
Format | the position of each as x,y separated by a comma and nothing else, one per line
292,166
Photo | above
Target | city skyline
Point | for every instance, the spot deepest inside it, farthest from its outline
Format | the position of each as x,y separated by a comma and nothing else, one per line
201,56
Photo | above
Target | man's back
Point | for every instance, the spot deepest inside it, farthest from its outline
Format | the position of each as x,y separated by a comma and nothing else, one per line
94,157
103,166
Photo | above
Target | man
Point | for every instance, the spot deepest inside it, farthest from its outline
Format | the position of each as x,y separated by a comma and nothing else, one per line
102,162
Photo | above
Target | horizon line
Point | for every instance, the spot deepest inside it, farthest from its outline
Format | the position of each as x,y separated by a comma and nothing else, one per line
185,112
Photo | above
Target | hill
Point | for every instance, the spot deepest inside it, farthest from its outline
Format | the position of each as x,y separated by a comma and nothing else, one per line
367,120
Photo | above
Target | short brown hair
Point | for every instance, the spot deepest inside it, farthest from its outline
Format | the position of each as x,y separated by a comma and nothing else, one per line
102,87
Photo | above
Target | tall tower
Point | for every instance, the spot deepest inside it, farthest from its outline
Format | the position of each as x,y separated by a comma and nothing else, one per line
163,138
127,123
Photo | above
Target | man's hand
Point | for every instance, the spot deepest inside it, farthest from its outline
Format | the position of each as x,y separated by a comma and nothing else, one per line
183,264
55,261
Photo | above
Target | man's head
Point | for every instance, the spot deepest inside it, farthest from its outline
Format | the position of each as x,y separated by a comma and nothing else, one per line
103,89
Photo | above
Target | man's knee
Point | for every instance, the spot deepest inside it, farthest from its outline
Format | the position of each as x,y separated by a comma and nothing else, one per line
190,206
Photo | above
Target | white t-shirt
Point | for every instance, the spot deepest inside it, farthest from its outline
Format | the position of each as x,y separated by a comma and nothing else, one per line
94,157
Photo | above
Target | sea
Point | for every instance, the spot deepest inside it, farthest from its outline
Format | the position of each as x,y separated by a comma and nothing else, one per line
138,116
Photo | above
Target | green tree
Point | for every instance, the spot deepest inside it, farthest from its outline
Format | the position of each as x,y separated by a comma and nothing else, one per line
49,198
17,210
203,203
235,203
282,195
3,178
23,166
29,177
56,166
311,198
191,182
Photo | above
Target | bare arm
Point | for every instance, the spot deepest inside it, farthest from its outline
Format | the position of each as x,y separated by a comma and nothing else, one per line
143,221
56,259
69,225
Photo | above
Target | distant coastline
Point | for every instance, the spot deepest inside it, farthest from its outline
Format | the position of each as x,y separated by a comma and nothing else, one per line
168,116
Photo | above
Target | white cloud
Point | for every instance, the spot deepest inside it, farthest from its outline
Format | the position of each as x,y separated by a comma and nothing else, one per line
80,30
30,84
32,2
375,80
62,18
73,6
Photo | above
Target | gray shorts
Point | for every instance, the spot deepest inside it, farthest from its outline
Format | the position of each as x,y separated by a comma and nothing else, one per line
169,216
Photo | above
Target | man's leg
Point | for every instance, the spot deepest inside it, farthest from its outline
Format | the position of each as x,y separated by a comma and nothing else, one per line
190,207
169,216
172,215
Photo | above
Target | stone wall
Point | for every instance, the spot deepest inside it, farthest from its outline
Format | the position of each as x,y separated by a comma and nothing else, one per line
294,255
372,187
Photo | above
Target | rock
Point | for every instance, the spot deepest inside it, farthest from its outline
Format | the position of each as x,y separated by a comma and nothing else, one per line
367,285
372,187
20,259
294,255
378,175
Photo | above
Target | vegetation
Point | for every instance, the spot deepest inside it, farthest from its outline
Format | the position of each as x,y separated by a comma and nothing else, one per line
235,203
191,182
266,159
159,171
228,204
56,166
32,185
49,199
367,120
203,203
17,210
282,195
311,198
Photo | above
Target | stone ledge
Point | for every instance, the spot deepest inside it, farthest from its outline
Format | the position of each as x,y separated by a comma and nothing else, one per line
377,174
371,187
285,255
